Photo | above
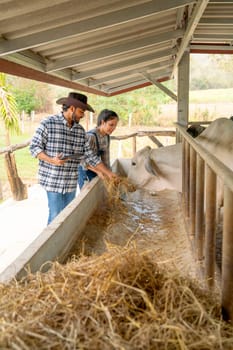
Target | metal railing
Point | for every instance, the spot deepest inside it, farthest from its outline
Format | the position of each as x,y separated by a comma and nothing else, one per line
200,173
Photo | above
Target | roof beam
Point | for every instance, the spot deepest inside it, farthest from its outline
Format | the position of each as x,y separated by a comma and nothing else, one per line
114,50
25,7
213,37
192,24
221,2
154,67
29,73
116,88
126,63
135,81
92,24
160,86
217,21
208,48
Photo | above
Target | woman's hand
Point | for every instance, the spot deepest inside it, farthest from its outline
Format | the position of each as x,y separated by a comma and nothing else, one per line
102,171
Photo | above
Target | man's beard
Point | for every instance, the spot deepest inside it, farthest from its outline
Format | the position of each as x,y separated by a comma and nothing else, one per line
74,118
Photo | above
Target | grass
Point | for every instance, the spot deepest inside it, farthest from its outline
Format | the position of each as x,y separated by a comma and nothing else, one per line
26,165
211,96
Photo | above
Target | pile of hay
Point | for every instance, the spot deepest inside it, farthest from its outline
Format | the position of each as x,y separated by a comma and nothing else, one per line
119,300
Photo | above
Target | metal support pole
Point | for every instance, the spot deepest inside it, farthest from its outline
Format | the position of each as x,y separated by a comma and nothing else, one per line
227,261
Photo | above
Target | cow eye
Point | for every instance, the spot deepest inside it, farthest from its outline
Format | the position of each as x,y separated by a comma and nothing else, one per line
133,163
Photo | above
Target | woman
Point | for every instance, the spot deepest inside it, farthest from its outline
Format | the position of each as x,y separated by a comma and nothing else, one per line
99,141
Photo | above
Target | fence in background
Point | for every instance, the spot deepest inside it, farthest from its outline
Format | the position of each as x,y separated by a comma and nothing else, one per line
19,190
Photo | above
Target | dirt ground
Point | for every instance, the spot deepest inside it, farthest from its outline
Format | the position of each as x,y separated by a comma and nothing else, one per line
149,221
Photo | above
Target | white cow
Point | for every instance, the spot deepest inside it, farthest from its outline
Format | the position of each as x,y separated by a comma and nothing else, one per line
156,171
159,169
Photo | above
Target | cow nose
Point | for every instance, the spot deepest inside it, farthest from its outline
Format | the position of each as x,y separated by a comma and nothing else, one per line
134,163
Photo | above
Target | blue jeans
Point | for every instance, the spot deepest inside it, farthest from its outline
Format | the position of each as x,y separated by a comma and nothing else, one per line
84,175
57,202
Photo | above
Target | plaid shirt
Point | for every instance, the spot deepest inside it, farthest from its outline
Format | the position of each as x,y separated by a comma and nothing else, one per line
104,146
53,136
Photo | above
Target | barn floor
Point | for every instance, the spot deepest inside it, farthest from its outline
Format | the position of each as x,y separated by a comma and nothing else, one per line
21,223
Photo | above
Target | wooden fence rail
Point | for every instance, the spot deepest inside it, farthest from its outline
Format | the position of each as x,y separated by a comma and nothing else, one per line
152,134
16,147
19,190
199,180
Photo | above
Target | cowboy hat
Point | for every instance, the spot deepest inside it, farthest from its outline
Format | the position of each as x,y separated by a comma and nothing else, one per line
77,100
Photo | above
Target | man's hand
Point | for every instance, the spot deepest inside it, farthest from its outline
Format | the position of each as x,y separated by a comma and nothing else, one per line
52,160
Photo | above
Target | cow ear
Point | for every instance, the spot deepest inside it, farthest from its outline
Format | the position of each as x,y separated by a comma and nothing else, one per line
151,168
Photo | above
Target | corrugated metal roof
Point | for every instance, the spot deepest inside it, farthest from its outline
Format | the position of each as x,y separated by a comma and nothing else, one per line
108,46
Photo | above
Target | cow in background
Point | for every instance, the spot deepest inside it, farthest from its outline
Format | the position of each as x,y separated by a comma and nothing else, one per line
159,169
195,130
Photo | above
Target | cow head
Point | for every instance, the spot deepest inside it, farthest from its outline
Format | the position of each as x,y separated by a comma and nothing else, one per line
157,169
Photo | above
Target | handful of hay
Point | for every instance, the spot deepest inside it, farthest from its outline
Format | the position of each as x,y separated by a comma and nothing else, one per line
120,300
117,188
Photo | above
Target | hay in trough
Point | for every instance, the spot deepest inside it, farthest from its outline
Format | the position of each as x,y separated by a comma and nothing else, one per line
122,299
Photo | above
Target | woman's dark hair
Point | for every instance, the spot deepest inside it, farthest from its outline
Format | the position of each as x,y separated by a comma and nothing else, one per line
105,115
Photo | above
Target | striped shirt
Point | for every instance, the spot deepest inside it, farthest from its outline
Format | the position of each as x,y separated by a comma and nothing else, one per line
54,136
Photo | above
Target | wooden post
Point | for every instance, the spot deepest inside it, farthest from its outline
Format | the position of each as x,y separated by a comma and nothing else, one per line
186,180
227,261
134,145
18,189
199,224
183,90
210,232
183,174
192,192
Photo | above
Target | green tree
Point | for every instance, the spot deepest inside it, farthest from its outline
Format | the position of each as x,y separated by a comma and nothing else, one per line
26,100
8,109
142,104
32,95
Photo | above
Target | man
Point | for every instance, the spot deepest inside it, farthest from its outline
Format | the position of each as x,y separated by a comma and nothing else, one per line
59,143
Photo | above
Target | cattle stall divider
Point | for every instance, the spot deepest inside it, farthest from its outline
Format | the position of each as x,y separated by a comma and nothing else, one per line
200,174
